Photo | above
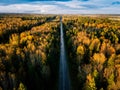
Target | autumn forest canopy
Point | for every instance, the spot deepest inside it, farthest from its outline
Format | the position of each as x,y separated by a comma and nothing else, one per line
30,51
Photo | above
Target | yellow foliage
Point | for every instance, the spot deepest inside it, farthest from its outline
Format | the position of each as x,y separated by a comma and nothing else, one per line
95,43
103,48
89,78
22,35
14,39
86,24
30,37
21,87
86,41
93,24
99,58
90,83
80,50
43,55
31,47
110,50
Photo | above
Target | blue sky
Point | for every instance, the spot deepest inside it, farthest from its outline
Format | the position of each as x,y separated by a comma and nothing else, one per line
60,6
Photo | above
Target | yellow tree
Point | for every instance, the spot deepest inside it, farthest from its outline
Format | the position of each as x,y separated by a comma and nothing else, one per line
90,83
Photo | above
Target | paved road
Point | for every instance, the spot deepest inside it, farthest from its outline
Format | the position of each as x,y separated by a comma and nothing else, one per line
64,80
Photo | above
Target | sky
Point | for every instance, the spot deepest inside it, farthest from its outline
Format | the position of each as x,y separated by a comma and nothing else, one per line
60,6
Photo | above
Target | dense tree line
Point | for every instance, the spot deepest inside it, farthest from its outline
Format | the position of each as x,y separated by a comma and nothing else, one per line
10,24
28,61
94,52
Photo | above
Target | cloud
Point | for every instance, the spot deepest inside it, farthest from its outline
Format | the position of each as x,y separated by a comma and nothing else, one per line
62,7
27,8
71,4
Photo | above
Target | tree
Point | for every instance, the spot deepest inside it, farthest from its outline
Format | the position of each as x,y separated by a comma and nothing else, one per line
99,58
90,83
14,39
80,52
21,86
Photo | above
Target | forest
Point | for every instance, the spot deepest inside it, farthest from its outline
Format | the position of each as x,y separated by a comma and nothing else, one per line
29,46
30,51
93,45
